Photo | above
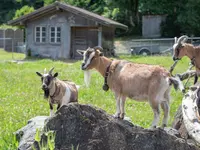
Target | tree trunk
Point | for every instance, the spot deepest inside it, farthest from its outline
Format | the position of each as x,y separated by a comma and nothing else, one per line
187,120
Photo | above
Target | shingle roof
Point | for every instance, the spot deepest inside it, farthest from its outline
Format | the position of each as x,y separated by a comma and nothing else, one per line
72,9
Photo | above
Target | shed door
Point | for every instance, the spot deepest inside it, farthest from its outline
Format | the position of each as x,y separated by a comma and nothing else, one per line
82,38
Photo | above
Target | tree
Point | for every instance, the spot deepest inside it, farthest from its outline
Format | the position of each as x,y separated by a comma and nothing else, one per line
23,11
189,18
7,10
172,9
126,12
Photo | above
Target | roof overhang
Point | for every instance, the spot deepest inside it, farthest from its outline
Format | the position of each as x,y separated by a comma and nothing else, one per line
62,6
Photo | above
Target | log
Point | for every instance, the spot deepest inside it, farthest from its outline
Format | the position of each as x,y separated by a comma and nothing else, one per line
190,112
186,75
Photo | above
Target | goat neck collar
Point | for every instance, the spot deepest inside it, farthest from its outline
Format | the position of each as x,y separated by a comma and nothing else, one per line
194,63
57,91
105,86
193,60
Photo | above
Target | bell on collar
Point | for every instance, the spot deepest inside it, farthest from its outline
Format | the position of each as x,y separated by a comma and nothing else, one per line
105,87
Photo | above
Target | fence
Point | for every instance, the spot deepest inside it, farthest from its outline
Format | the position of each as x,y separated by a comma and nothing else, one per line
12,45
12,40
154,46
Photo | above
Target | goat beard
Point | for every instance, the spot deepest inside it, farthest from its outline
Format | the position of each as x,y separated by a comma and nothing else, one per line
87,77
46,93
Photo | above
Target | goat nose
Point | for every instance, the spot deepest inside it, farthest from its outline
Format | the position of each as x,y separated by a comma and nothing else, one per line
44,86
174,58
82,66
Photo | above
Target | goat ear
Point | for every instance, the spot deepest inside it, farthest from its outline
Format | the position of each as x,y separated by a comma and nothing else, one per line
39,74
55,75
81,52
183,44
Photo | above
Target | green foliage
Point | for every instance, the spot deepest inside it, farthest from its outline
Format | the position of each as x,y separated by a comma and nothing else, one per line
75,148
34,3
170,27
7,10
47,2
23,11
156,7
189,18
50,140
4,56
182,16
4,26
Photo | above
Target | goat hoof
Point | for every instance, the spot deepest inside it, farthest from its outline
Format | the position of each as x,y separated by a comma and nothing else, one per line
183,91
116,115
164,125
153,127
122,115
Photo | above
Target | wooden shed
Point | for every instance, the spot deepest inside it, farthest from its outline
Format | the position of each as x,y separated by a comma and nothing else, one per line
59,29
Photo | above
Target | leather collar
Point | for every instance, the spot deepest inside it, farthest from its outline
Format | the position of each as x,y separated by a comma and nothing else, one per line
105,86
57,91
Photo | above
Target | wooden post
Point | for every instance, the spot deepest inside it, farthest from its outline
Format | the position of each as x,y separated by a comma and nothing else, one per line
100,36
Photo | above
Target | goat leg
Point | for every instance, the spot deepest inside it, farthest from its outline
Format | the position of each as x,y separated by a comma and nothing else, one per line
122,110
58,106
173,66
195,78
51,109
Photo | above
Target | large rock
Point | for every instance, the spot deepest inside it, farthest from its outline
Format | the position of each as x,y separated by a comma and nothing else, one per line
26,135
89,128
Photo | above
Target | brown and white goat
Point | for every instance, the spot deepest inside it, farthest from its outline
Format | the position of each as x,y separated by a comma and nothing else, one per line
141,82
59,92
181,49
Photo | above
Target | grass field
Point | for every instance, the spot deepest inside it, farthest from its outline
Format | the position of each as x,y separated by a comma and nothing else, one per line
21,97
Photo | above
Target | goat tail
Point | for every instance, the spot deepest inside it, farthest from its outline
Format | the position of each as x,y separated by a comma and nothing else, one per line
78,87
177,83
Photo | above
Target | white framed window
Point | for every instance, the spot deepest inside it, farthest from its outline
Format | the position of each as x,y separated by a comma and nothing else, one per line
55,34
40,34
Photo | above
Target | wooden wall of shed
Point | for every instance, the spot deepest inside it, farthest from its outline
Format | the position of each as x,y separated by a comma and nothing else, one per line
82,38
108,40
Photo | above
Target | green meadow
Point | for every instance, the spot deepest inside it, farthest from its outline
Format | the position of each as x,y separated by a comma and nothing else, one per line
21,97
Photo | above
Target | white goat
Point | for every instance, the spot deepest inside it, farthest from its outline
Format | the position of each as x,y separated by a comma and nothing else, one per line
136,81
59,92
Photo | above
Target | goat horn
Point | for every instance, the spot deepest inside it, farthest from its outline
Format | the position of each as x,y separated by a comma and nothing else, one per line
98,47
182,39
45,70
50,72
